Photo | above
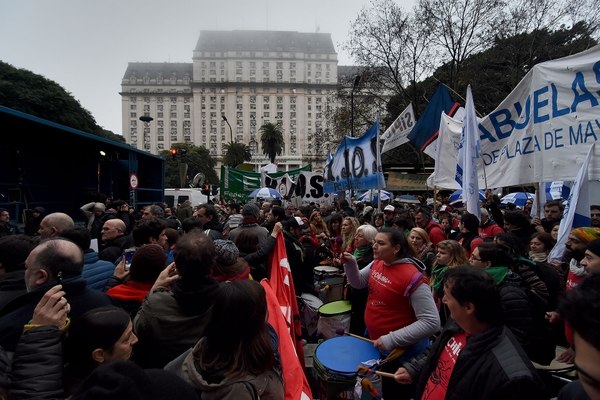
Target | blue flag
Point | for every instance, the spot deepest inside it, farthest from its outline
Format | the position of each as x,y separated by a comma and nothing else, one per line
356,164
427,127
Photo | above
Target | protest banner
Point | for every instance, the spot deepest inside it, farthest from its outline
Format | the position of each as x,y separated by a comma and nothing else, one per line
356,164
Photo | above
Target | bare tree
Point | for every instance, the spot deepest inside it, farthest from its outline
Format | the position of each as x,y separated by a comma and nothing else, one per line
377,39
460,28
526,16
587,11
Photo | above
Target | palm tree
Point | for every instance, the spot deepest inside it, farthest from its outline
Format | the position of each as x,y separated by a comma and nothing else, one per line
236,153
271,140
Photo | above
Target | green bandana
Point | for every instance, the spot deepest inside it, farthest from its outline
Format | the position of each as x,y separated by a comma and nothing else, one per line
359,252
439,276
498,273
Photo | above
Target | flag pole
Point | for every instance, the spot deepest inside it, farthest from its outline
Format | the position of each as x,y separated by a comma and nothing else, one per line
538,199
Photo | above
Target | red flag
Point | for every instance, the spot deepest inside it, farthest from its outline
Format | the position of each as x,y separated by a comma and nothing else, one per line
283,286
285,318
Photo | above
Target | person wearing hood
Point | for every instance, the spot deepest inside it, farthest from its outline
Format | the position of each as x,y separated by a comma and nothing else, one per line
174,314
237,357
184,210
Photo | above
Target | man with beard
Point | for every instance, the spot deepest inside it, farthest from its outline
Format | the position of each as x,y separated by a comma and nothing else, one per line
433,229
553,212
576,244
575,272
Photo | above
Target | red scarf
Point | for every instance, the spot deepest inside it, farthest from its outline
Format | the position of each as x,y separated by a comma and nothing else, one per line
130,291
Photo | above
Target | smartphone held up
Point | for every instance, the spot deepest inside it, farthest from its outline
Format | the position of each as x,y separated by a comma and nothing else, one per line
128,256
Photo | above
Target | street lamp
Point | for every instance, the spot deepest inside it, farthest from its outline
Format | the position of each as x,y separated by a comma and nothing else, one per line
229,125
146,119
354,86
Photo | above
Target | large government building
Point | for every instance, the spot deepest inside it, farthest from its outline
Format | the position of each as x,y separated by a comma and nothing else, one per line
237,81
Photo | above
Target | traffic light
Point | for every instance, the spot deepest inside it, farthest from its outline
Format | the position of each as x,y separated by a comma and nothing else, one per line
205,189
173,153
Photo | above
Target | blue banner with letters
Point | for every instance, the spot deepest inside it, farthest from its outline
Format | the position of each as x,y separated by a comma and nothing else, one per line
356,164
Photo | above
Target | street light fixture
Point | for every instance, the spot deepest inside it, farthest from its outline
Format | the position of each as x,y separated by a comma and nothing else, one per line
146,119
354,87
229,125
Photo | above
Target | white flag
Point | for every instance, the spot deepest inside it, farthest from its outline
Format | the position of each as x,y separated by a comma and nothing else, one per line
445,153
577,211
468,156
397,133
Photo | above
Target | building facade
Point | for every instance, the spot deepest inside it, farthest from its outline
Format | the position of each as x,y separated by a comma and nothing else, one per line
237,81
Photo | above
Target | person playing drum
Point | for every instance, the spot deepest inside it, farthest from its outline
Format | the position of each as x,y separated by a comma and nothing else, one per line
400,311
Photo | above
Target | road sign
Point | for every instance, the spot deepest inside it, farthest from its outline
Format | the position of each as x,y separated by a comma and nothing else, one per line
133,181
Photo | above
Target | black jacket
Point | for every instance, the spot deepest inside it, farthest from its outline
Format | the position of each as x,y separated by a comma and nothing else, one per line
491,366
37,367
12,285
19,311
113,249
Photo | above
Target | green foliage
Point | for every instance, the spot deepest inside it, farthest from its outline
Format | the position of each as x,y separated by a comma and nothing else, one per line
198,160
271,139
33,94
236,153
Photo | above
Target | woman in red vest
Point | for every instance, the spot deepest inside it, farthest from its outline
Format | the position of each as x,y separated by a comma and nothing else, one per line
400,311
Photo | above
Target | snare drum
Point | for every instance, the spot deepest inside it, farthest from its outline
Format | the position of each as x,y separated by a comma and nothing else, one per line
323,272
335,362
309,313
557,374
333,317
331,289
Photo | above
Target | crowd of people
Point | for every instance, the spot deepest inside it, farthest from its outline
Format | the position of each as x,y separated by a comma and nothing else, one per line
459,307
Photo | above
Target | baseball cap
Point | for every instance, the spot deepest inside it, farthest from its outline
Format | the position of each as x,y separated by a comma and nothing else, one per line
389,207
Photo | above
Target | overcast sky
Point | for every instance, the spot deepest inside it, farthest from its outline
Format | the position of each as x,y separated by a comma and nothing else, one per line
85,45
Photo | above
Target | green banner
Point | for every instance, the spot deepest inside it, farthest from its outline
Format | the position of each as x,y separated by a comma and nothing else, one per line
237,184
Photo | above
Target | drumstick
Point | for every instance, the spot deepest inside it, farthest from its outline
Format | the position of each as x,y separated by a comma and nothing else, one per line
363,370
368,386
341,331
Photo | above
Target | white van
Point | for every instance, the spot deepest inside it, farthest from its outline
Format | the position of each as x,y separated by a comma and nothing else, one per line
173,197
